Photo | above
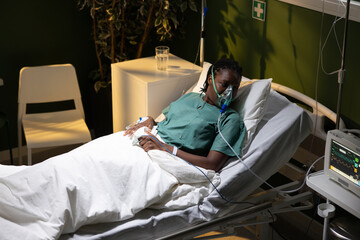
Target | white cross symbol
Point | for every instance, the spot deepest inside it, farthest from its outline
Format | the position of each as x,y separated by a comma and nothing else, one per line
258,10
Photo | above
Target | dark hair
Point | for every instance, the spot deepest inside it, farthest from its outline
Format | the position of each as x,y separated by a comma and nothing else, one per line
223,63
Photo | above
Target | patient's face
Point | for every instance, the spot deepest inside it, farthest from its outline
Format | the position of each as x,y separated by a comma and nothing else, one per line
223,79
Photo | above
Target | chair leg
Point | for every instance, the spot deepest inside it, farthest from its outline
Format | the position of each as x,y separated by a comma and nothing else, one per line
29,156
9,142
19,144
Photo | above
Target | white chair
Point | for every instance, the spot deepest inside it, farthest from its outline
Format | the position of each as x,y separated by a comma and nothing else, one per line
43,84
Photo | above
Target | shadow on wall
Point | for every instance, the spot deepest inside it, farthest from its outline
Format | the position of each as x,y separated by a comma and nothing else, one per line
291,37
238,30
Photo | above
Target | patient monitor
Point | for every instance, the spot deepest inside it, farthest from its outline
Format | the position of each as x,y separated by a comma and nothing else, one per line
342,156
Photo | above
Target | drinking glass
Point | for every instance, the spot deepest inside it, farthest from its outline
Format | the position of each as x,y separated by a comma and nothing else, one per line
162,57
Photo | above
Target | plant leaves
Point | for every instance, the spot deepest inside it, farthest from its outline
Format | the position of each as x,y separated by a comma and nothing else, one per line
158,21
129,19
183,6
100,84
192,5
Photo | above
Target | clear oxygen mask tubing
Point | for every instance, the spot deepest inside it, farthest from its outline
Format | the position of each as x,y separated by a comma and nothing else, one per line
225,98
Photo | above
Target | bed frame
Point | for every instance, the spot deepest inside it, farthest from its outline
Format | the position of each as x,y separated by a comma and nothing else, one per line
266,205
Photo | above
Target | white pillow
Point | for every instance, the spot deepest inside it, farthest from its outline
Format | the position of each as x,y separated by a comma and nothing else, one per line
202,78
250,103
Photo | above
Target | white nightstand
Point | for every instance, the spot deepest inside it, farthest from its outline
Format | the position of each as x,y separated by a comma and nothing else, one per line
139,89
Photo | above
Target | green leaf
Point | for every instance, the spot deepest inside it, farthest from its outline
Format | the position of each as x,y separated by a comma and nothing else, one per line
118,25
142,10
158,21
183,6
160,31
174,20
192,5
100,84
166,25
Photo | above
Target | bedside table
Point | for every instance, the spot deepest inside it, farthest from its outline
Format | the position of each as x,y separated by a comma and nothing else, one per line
139,89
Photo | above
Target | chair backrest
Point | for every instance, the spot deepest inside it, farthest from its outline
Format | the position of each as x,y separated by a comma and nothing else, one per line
49,83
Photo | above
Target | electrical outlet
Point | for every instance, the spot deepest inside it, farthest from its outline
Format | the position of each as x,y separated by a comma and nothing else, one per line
1,82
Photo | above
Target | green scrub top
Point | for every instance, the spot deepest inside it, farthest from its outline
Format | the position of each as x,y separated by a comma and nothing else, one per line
191,125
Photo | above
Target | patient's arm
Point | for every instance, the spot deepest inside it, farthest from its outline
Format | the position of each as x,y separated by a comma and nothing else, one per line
149,123
214,160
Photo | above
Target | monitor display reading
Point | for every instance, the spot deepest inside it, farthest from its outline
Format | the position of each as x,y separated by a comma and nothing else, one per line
345,162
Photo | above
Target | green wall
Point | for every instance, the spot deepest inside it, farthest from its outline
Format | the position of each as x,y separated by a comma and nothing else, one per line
284,47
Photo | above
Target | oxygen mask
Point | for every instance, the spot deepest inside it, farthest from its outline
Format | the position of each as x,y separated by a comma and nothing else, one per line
225,98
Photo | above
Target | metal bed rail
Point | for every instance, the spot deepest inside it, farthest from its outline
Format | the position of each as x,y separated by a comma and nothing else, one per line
266,204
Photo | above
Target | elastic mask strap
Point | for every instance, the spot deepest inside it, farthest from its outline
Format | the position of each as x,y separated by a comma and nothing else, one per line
213,81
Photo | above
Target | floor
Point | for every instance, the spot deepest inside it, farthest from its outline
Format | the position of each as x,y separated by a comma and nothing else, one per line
244,235
241,234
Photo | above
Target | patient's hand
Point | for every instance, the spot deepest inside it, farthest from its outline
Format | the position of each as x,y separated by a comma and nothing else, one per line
149,123
150,142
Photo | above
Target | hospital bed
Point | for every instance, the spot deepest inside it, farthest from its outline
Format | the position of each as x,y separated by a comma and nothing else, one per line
275,128
273,136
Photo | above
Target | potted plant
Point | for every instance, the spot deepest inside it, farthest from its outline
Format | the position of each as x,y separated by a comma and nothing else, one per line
121,28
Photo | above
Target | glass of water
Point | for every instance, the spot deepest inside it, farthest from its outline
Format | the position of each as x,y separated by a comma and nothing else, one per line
162,57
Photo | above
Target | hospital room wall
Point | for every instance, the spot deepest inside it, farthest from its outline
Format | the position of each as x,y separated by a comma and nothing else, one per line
286,48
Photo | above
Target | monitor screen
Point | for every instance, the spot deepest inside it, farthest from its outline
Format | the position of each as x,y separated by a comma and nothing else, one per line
345,162
342,156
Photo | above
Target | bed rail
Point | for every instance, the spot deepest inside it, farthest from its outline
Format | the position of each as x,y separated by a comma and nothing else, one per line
266,205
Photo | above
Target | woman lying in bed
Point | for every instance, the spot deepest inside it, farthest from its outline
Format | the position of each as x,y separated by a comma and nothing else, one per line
190,128
109,179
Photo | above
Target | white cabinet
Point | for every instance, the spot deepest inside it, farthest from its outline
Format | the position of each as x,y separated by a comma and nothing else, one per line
139,89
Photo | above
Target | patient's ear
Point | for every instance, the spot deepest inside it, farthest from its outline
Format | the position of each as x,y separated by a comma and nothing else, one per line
209,79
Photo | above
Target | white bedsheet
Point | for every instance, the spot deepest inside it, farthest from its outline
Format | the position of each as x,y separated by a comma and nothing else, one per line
105,180
284,126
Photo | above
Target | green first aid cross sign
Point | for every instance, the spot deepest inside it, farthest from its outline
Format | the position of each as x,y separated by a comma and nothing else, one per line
258,10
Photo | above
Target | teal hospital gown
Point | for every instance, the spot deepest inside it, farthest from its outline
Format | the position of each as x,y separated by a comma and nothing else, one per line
191,125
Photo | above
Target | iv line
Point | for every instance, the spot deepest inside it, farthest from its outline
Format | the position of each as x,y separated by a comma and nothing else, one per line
217,190
256,175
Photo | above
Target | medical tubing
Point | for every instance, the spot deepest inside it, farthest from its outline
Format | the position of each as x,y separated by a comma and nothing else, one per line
332,29
252,172
307,174
140,120
217,190
257,176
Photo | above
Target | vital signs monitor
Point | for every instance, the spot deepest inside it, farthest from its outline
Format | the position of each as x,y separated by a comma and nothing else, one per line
342,156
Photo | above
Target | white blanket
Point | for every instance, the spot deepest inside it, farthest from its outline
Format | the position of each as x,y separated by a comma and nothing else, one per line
105,180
